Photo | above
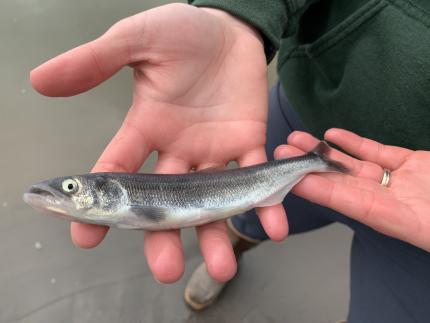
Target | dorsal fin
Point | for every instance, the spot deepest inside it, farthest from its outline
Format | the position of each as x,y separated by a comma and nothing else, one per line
322,150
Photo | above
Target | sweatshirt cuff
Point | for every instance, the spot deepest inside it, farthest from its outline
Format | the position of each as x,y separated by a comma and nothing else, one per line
270,20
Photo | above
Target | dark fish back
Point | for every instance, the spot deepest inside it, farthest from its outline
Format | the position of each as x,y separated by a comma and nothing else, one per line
199,189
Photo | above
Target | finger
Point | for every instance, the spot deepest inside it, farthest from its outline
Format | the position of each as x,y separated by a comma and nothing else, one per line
87,235
210,166
287,151
312,182
215,244
366,203
168,164
217,251
307,142
273,218
163,249
123,154
390,157
127,150
86,66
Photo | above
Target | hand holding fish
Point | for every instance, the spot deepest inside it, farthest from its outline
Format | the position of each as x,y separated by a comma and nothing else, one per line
190,104
400,210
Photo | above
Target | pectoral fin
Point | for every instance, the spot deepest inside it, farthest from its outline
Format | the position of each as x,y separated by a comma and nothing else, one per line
152,214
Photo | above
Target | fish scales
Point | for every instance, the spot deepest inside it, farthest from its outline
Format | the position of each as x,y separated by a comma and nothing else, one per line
158,202
193,190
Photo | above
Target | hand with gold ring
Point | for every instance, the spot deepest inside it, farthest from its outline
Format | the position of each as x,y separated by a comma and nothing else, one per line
387,189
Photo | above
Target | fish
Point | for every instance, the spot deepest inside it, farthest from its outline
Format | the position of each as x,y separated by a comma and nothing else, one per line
172,201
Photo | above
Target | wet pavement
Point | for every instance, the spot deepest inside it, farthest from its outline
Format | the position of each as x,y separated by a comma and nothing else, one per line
44,278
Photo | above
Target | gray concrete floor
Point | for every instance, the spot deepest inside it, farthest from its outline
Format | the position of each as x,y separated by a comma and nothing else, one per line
43,277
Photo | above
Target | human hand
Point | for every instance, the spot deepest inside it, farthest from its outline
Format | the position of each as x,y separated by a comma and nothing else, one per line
400,210
200,100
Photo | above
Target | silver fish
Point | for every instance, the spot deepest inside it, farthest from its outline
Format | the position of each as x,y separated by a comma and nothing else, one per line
160,202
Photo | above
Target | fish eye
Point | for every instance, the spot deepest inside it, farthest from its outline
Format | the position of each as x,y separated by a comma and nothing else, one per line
70,185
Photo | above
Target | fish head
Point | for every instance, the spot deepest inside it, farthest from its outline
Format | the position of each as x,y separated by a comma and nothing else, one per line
80,197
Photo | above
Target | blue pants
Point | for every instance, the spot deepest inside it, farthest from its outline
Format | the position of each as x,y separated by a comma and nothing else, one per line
302,214
390,279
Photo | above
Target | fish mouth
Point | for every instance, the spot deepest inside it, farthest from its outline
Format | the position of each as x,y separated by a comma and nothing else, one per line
41,191
41,195
44,198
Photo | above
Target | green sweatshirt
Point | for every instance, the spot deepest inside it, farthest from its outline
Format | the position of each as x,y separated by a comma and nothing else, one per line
361,65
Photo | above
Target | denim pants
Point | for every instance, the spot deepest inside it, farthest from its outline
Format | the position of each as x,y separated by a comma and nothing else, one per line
302,215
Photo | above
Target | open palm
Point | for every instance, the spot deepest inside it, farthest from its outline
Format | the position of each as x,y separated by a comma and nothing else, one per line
400,210
199,100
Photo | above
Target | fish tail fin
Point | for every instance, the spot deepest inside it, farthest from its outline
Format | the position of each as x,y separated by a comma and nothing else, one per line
321,151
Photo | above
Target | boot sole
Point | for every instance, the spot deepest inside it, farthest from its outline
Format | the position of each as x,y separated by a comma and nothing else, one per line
195,305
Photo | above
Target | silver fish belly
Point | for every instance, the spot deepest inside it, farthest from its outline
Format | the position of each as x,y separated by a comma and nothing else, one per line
160,202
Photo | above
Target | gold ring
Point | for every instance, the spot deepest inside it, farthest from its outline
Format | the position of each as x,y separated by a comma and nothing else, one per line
386,178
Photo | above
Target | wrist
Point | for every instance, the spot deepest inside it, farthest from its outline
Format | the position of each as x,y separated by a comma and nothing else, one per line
235,23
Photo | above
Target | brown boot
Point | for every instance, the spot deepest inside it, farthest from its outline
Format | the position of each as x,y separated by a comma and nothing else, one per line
202,290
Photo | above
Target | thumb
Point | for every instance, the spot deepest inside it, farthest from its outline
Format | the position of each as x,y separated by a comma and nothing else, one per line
86,66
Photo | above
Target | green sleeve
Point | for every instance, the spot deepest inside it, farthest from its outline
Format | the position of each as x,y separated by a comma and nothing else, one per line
270,17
